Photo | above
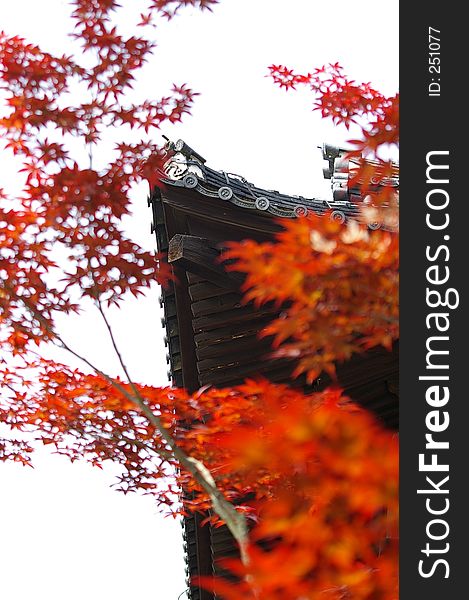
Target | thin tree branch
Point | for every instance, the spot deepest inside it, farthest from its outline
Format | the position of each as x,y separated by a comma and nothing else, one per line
225,510
235,521
116,348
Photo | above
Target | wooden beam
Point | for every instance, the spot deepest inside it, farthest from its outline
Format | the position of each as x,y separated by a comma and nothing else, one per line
238,316
228,334
203,290
217,304
199,256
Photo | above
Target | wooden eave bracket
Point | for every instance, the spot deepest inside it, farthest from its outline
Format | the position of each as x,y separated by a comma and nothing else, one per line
201,257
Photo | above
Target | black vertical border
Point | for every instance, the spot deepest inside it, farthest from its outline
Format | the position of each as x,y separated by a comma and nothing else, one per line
433,123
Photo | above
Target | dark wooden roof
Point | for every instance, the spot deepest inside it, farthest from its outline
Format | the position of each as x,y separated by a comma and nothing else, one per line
211,335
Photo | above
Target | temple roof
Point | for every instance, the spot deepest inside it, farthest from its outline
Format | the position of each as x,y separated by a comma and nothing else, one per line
186,168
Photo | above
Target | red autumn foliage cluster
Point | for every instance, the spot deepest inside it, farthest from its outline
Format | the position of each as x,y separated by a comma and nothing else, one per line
320,474
325,478
347,103
341,284
315,475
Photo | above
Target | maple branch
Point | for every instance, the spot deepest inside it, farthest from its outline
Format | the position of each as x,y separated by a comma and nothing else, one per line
10,387
235,521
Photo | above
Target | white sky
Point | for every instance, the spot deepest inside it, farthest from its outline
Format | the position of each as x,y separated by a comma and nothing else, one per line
65,534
